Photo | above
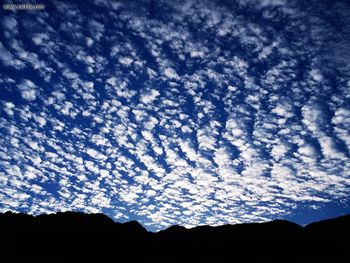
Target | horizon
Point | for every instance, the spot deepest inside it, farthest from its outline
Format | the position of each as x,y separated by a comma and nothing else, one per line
176,112
158,230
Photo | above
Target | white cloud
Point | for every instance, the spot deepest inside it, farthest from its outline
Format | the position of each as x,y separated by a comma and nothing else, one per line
38,39
282,111
186,129
314,121
233,127
329,149
149,96
91,167
89,84
307,150
315,75
341,120
206,142
8,108
8,59
221,157
51,155
41,121
95,154
10,23
89,41
104,173
197,54
32,144
278,151
112,81
30,172
151,123
158,150
98,119
194,149
171,73
147,135
28,90
188,150
126,61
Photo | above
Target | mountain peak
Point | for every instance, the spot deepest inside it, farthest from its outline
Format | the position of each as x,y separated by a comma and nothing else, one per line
65,233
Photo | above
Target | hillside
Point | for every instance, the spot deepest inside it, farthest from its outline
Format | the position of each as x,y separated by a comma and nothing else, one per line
73,235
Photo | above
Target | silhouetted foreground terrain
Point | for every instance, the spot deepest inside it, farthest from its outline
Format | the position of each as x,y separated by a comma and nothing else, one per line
80,236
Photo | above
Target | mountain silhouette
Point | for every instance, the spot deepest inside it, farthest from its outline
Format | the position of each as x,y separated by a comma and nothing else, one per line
79,236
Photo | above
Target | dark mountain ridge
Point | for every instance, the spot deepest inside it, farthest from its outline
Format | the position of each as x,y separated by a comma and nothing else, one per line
87,236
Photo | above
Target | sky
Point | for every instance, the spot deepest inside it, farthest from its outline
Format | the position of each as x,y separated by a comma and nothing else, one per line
177,112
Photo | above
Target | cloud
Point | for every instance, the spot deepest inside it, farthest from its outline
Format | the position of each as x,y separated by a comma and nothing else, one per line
206,142
126,61
313,119
278,151
149,96
89,84
39,38
95,154
8,59
10,23
171,73
341,120
8,108
28,90
176,127
197,54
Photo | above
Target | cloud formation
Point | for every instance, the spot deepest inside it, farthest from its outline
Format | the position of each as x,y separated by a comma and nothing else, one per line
190,113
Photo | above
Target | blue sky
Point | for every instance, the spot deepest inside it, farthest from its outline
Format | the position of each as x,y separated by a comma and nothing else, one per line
177,112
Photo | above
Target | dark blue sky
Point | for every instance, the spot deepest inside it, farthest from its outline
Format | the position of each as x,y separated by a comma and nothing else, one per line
177,112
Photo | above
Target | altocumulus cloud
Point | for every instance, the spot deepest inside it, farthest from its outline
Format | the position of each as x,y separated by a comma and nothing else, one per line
172,112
